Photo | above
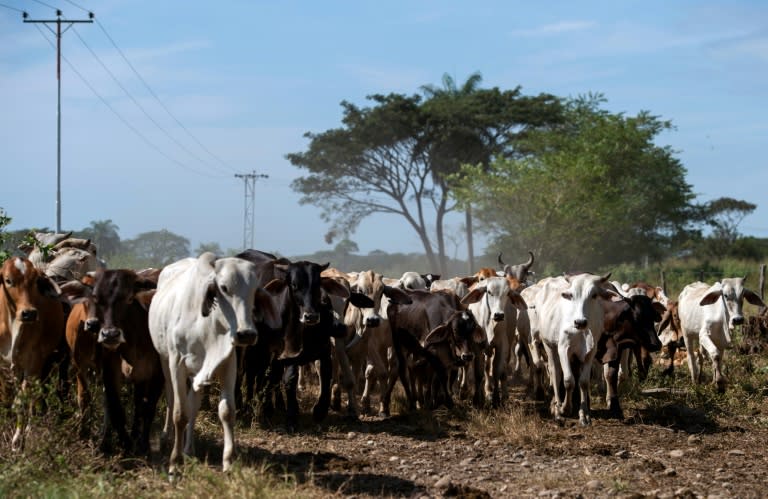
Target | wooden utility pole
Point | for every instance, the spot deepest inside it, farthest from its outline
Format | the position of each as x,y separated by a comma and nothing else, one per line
68,24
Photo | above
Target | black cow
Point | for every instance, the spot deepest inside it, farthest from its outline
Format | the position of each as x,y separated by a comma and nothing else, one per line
302,333
629,324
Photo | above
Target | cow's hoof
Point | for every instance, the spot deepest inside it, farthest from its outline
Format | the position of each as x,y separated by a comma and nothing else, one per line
319,413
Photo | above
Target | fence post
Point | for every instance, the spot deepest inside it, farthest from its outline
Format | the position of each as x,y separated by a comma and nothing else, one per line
701,276
762,287
663,282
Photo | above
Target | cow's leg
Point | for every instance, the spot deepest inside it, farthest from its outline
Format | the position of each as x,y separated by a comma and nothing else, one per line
623,367
500,374
291,381
387,384
114,413
153,389
691,345
83,401
671,350
375,371
585,373
569,381
555,379
716,356
320,409
398,338
178,382
194,399
169,402
228,375
23,413
611,375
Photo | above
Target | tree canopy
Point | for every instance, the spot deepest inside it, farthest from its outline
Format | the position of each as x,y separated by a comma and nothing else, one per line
592,191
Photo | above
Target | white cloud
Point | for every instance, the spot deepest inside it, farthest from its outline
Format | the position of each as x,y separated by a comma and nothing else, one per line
556,28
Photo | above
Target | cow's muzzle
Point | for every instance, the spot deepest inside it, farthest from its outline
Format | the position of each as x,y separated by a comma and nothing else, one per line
111,337
246,337
29,315
373,321
310,318
580,323
498,316
737,320
91,326
467,356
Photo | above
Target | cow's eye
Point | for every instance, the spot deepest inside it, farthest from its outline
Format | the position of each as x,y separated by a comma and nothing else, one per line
225,289
8,283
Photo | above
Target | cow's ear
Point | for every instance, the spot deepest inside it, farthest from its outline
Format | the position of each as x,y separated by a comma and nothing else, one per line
440,334
659,308
265,305
474,296
517,301
753,298
47,287
143,284
470,280
209,299
397,295
711,297
144,298
360,300
276,285
75,291
334,287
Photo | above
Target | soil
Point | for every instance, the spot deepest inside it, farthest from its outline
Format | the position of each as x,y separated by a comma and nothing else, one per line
670,451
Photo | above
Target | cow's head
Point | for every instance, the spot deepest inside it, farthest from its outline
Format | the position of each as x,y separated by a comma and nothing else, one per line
114,293
23,286
580,300
496,294
733,292
645,314
231,286
669,328
520,271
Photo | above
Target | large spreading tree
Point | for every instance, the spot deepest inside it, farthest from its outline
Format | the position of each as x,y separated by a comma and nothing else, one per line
397,156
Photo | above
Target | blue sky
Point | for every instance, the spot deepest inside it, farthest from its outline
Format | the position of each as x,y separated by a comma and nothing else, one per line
249,78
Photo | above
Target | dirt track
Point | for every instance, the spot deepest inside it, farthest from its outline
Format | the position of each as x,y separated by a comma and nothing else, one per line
672,451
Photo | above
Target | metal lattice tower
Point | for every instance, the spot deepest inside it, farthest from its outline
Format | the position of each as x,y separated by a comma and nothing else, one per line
249,215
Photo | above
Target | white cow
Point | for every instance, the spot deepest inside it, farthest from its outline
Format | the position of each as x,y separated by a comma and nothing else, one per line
202,310
570,323
707,315
493,304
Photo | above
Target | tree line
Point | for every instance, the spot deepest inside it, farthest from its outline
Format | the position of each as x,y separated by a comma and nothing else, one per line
578,185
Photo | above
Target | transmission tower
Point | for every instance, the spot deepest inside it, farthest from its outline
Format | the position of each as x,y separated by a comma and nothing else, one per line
249,180
68,24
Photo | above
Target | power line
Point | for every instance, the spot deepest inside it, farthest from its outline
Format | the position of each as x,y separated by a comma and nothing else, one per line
12,8
125,122
136,102
152,92
46,5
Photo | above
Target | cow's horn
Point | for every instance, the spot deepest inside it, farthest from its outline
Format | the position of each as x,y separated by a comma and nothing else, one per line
500,261
529,262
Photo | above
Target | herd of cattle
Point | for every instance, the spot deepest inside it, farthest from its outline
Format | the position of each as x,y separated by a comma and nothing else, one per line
252,321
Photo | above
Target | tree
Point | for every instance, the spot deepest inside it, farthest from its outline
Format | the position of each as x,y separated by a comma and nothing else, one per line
212,247
157,248
469,125
394,157
5,220
724,215
104,234
593,191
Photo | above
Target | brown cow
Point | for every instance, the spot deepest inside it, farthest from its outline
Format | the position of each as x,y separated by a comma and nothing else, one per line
31,329
119,302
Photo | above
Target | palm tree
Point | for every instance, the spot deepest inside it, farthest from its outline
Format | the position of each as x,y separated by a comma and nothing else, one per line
104,234
451,93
